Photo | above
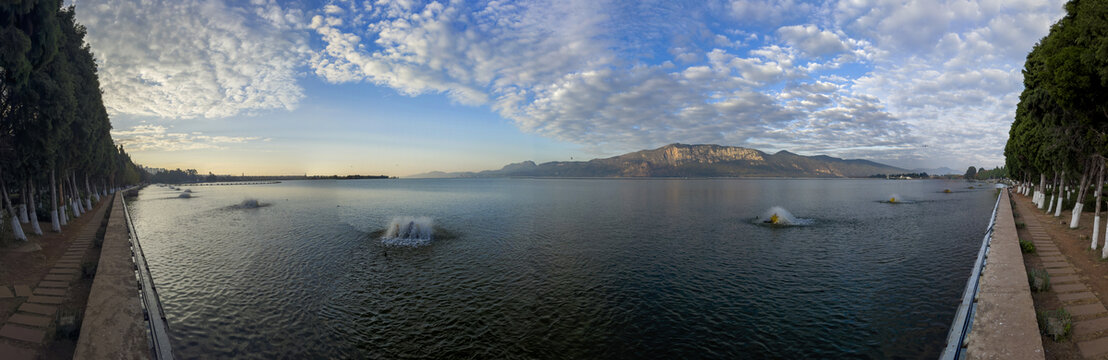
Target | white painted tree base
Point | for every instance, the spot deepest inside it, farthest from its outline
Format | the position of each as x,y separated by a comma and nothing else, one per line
35,228
1096,231
1076,218
55,221
23,214
17,229
1058,209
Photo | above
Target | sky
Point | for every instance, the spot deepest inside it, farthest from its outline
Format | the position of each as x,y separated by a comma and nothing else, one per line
399,87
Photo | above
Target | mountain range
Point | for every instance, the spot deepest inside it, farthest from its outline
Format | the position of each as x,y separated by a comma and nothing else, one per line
683,160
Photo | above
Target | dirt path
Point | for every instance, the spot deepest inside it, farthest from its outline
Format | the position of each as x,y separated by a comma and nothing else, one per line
37,287
1079,280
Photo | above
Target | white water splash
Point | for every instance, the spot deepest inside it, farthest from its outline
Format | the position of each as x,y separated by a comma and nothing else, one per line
783,218
409,231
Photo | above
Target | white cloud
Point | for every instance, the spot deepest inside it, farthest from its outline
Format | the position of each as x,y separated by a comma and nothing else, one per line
158,138
770,12
811,40
186,59
906,80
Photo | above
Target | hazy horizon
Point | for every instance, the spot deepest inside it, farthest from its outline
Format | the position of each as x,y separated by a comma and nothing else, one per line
401,87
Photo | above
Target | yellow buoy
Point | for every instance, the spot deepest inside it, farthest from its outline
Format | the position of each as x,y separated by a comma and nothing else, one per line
946,191
892,200
774,219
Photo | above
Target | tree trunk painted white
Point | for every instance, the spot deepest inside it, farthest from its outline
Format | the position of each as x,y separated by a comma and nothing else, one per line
34,209
1096,214
55,216
17,230
1075,217
23,207
1042,187
78,207
1050,208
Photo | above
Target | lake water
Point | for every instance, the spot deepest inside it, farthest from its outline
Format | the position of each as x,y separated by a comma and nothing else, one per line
564,268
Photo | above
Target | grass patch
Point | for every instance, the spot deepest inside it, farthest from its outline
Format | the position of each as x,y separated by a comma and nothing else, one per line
1027,247
1057,324
1039,280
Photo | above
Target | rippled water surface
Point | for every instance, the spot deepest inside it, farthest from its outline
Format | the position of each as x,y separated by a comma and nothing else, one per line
565,268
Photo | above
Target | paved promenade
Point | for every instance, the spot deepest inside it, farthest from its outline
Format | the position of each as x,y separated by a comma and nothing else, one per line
1004,326
114,325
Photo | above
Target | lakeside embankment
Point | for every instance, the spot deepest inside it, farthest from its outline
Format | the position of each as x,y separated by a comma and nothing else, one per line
114,325
1004,324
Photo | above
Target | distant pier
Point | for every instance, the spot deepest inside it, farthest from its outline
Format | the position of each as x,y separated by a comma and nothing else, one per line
233,183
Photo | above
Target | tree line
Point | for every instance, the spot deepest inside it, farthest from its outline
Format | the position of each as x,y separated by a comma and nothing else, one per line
57,156
1057,142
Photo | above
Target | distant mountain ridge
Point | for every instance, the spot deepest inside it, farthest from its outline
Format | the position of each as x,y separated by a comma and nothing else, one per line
682,160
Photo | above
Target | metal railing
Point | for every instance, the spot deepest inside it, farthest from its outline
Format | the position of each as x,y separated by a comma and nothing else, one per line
963,319
151,303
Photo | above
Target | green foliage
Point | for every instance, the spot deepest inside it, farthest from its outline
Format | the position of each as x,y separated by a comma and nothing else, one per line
1020,225
88,269
1027,247
1038,279
68,321
53,123
1062,116
971,173
1057,324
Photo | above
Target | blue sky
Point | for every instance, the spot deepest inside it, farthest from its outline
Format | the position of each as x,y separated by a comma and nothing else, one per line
402,87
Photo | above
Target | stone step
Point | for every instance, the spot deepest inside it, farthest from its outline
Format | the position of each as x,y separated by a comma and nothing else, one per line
22,333
1087,327
30,320
64,284
67,266
1051,271
1064,279
60,277
1055,264
12,352
1093,348
50,291
1071,297
1068,288
64,271
23,291
6,293
44,299
1086,309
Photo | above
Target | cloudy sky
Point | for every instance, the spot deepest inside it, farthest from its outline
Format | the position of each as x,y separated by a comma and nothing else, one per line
401,87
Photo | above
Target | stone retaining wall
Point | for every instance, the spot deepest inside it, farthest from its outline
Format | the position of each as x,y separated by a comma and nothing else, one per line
1004,326
113,326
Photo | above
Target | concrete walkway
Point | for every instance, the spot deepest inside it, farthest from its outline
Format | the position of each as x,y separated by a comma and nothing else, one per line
114,325
1004,325
34,318
1090,318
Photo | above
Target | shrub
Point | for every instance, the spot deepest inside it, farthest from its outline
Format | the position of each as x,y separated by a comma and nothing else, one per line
69,323
1057,324
1020,225
88,269
1027,247
1039,280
